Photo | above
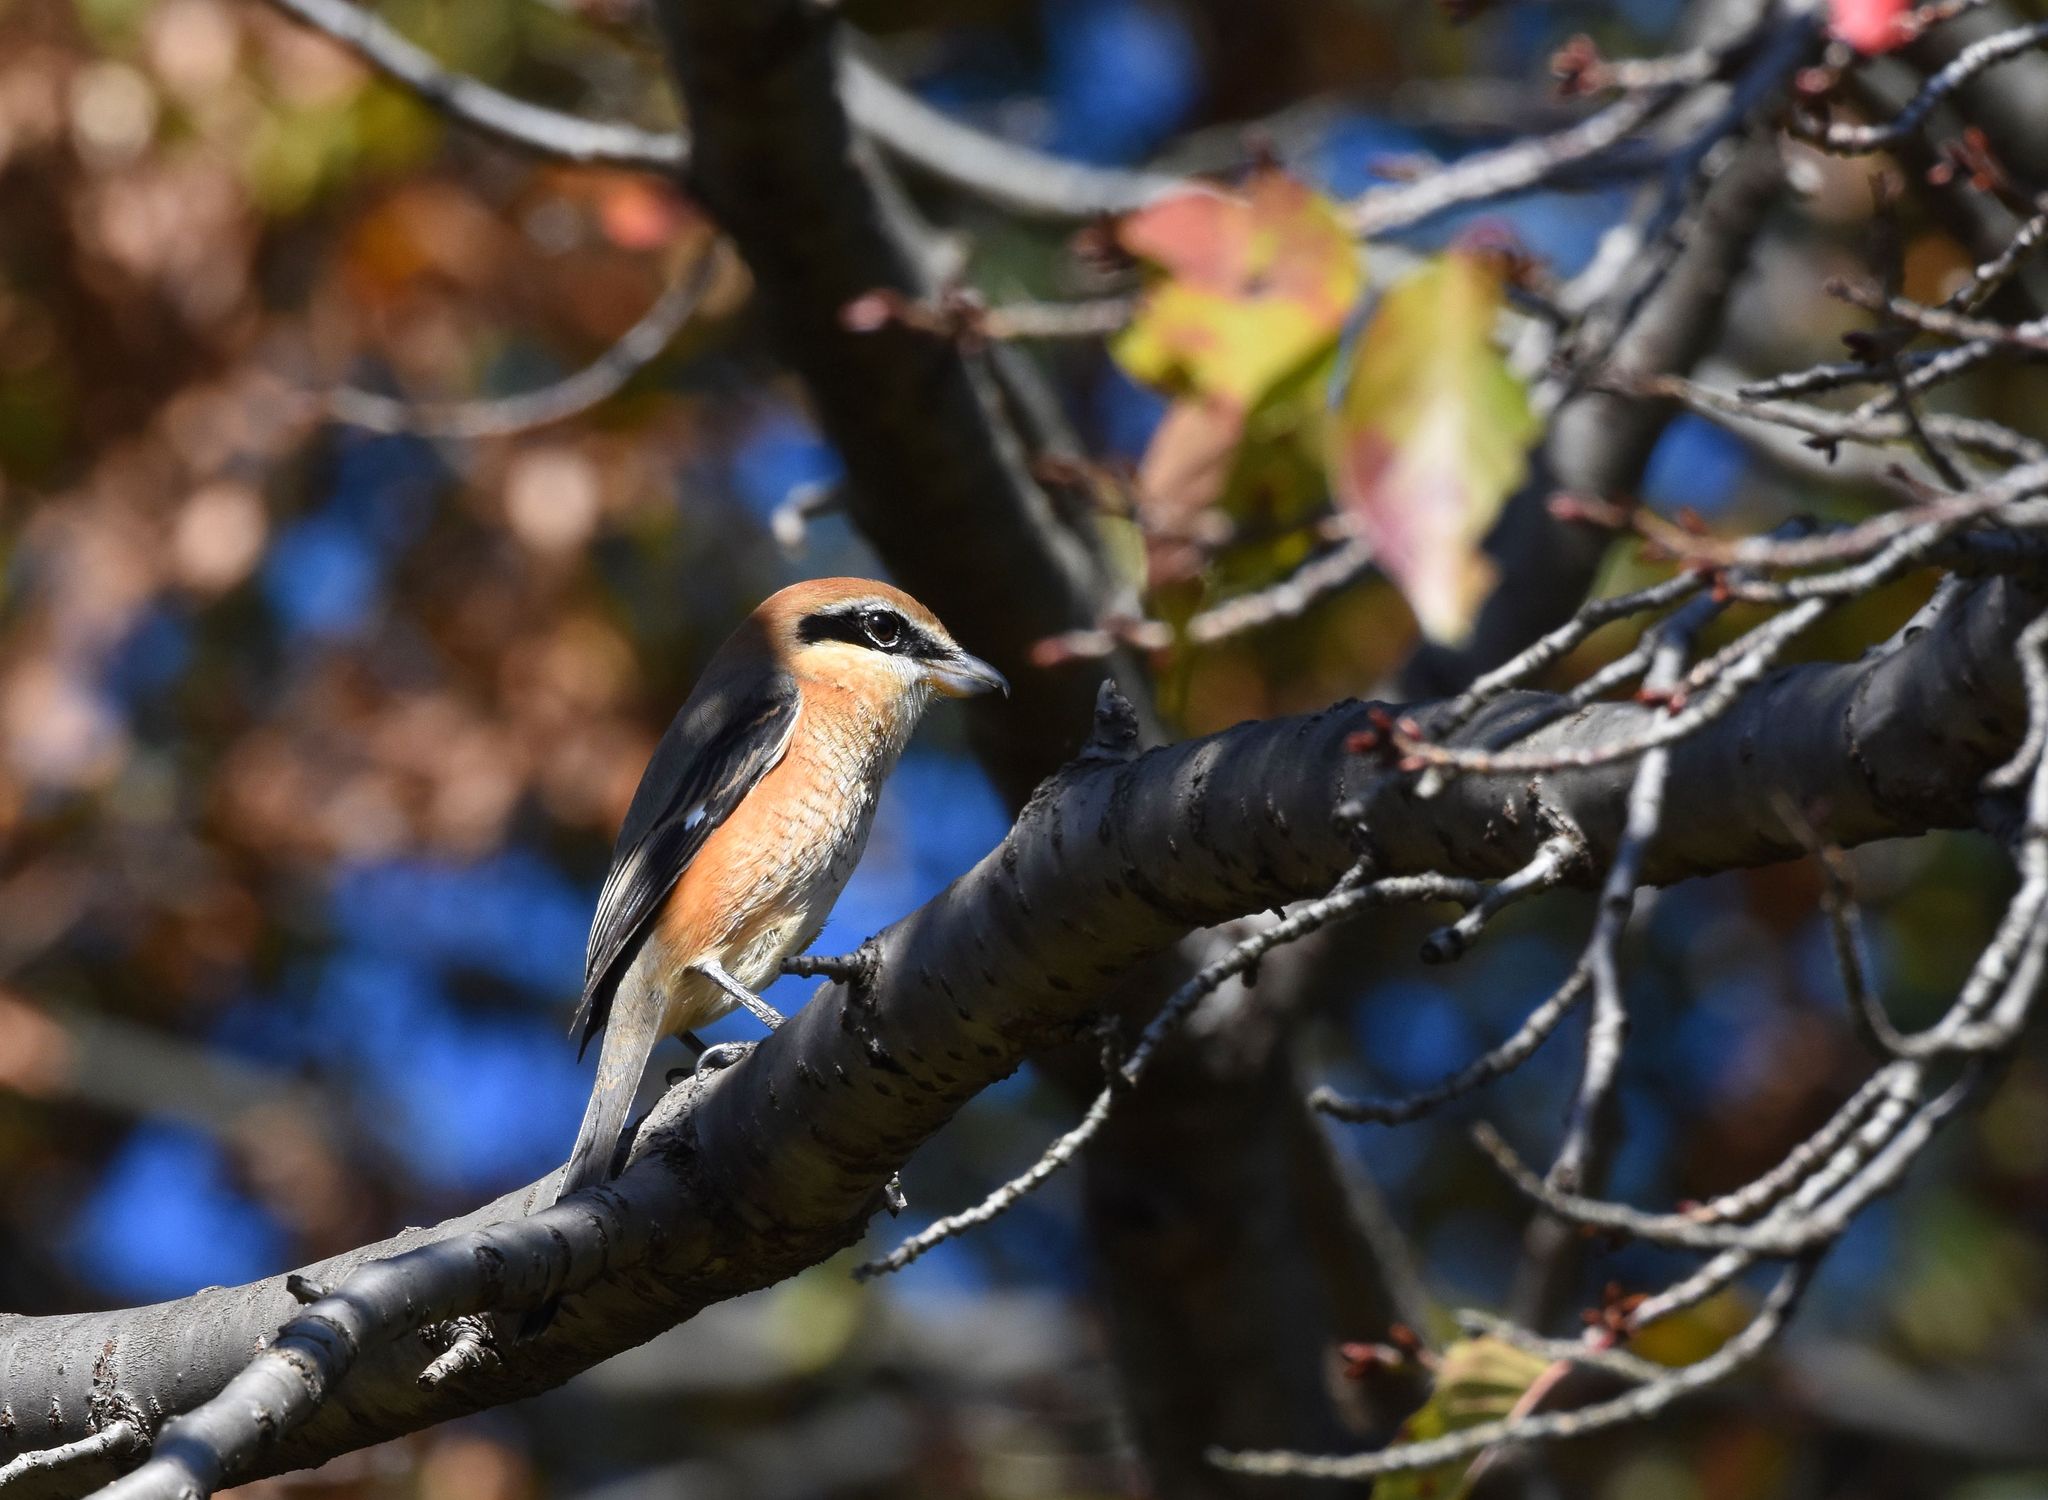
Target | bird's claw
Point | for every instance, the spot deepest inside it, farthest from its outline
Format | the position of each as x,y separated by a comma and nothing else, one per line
724,1055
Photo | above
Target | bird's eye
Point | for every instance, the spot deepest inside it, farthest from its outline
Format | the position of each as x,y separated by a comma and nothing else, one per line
883,628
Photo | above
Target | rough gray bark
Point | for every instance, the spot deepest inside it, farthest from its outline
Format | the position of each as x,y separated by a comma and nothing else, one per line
778,1162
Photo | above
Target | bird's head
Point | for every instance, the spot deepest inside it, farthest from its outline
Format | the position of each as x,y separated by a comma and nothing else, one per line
857,633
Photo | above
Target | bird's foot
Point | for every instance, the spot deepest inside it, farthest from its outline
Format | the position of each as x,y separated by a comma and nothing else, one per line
756,1007
698,1047
724,1055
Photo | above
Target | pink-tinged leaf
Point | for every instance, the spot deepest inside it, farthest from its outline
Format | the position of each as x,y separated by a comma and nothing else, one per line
1245,295
1871,26
1200,238
1430,436
1243,291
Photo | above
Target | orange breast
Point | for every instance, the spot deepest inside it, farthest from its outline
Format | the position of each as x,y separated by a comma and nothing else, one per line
766,878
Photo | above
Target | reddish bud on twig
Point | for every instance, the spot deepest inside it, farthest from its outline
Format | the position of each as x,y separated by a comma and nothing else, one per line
1392,741
1569,507
1615,1310
1360,1360
1816,83
1970,159
957,313
874,310
1578,67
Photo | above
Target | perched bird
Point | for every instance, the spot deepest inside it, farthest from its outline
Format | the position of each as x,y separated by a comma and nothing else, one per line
751,815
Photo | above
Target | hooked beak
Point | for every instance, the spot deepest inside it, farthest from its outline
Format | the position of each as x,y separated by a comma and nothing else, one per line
958,675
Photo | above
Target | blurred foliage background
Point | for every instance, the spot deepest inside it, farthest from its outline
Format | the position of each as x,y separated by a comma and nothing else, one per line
313,739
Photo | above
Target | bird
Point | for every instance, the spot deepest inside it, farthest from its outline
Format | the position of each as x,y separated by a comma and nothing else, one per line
750,816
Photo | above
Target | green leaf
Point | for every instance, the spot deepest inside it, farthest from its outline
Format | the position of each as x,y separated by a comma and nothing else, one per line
1431,435
1477,1380
1244,300
1243,291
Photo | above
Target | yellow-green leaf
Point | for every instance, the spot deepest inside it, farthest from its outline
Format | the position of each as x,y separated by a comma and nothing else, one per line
1430,435
1477,1380
1242,291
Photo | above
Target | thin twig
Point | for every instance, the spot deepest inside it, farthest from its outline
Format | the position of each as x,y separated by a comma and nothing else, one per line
1940,321
1764,1191
1549,866
116,1440
1774,1238
1309,917
1972,60
1983,282
1324,574
1509,169
1971,433
1758,650
471,1343
503,416
1559,644
1637,1405
1004,173
1630,1367
1492,1064
2032,650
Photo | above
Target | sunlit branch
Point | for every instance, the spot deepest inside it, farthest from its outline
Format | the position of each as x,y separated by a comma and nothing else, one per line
476,104
1310,917
116,1440
1005,173
1552,864
1942,322
1968,63
1495,1063
1328,572
1782,1235
1763,1192
1729,408
1638,1405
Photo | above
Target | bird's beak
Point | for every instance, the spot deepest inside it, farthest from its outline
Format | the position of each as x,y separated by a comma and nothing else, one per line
959,675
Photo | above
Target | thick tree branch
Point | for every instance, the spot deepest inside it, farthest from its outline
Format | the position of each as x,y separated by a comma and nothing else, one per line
776,1163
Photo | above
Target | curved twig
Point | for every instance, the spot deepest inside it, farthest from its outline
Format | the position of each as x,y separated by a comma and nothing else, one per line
503,416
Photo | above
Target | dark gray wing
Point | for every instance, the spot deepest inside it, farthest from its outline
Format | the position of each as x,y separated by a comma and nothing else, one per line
719,746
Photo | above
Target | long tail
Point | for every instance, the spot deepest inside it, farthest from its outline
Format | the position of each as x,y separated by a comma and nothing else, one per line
630,1035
